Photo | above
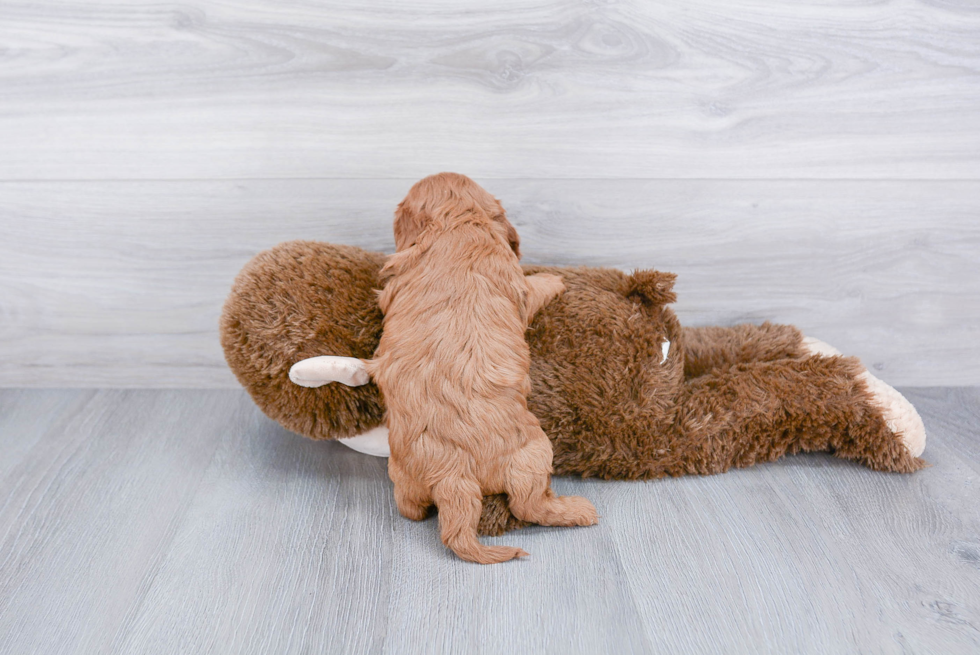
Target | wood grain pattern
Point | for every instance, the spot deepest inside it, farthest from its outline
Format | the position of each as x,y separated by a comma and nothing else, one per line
184,521
851,537
572,89
121,283
90,507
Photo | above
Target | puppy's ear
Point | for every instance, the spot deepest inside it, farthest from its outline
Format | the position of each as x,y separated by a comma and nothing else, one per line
499,215
513,239
409,221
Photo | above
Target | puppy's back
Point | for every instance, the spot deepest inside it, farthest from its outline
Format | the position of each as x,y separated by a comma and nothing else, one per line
453,346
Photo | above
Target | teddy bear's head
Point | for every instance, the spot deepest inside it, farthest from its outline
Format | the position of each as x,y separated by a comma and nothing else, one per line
303,299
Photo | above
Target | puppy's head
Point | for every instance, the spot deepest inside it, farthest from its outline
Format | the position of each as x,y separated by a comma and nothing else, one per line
443,196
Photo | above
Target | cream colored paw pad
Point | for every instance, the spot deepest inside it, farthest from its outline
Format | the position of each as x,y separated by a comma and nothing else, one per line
318,371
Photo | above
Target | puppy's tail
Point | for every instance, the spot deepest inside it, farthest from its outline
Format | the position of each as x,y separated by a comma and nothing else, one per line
460,502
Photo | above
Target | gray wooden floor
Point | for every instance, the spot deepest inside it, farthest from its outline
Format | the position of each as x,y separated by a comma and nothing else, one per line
140,521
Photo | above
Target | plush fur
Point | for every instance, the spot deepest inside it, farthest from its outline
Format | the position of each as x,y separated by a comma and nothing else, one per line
723,398
453,367
298,300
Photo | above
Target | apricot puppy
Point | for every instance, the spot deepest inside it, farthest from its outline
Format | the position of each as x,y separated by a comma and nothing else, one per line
453,366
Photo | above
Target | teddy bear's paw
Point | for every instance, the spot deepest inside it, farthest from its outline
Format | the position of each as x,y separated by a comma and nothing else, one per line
899,413
818,347
373,442
318,371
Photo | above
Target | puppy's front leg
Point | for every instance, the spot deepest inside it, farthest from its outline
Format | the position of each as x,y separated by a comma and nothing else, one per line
542,288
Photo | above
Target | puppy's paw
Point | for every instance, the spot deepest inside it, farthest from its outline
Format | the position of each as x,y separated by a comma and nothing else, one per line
576,510
552,285
413,511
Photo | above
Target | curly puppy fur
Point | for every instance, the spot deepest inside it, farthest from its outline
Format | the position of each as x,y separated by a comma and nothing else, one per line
453,366
724,397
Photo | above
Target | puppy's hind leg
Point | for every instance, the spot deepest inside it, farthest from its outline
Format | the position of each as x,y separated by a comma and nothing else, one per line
460,502
527,483
412,498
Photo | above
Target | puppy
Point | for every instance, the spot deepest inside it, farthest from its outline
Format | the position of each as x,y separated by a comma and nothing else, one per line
453,367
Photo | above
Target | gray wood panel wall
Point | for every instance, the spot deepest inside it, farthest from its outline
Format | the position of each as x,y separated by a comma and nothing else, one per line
815,163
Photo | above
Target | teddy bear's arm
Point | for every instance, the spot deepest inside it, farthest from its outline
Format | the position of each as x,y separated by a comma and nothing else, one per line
318,371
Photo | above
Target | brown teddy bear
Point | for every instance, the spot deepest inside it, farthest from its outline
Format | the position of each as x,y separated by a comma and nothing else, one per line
623,391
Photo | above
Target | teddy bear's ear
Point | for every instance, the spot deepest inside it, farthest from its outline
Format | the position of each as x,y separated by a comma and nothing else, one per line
651,287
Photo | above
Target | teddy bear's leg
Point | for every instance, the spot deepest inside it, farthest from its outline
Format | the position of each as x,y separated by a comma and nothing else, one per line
760,411
318,371
496,517
708,349
900,414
